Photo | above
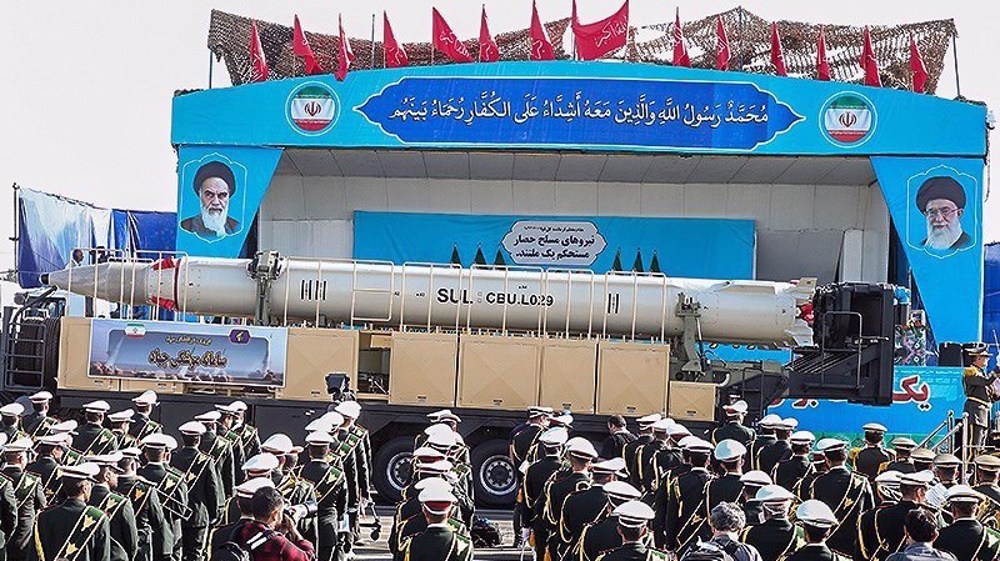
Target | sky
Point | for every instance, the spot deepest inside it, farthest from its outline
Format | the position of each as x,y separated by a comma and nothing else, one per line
85,97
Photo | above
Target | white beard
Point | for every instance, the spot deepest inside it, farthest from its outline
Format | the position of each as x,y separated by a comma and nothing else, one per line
943,239
214,222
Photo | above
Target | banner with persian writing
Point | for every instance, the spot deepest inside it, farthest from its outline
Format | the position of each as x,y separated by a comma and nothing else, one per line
188,352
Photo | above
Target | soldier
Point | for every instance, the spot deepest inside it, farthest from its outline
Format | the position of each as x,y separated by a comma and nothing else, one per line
655,456
886,487
987,471
120,425
73,530
438,542
169,483
261,465
734,429
219,535
67,429
92,439
50,449
536,476
789,472
684,523
524,436
818,521
581,453
631,450
633,526
765,437
776,538
224,432
297,491
10,416
946,472
817,468
415,523
923,459
118,509
219,449
8,508
726,488
602,535
37,423
331,495
408,510
753,481
780,449
871,459
880,531
847,493
249,437
903,447
28,495
979,395
618,437
666,460
155,535
361,442
143,425
966,538
204,491
586,506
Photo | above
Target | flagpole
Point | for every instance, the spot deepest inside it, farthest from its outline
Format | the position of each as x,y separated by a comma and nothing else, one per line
954,52
211,62
741,39
373,41
385,56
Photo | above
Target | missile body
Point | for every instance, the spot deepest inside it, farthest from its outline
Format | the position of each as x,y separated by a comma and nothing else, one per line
576,302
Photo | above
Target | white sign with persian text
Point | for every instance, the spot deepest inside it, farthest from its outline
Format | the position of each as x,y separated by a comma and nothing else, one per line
554,242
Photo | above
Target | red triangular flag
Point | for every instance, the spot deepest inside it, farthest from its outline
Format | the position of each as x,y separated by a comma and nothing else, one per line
595,40
445,39
301,49
345,55
868,62
680,49
777,55
541,47
258,62
822,65
395,56
721,45
917,67
488,51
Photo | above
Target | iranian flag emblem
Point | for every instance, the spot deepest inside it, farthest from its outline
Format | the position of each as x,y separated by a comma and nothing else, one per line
848,119
135,330
313,108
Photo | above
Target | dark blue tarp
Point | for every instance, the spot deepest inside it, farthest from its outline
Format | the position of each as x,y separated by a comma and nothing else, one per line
991,295
144,230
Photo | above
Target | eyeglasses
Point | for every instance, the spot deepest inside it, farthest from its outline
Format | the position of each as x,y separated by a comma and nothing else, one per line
940,212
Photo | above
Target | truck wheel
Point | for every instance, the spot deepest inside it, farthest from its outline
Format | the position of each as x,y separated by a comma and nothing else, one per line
392,468
494,474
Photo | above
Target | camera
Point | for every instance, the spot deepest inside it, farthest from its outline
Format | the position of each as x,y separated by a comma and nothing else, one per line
302,511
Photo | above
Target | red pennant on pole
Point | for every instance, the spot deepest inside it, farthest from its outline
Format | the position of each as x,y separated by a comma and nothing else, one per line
868,62
301,49
681,57
822,64
595,40
917,67
258,62
722,55
777,55
488,51
541,47
345,55
395,56
446,41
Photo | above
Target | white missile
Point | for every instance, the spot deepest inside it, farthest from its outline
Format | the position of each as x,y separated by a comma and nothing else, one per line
383,294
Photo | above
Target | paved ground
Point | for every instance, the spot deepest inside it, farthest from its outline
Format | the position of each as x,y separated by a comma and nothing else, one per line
379,551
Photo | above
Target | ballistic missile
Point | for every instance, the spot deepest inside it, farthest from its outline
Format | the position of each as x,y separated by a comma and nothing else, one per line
325,292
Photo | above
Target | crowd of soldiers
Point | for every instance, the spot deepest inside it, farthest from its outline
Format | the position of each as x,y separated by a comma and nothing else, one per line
116,487
771,494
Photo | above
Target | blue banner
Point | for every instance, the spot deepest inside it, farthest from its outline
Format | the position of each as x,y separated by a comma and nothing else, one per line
677,247
219,190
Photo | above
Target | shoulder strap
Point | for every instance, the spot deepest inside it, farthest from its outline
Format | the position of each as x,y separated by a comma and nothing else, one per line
83,529
148,428
328,483
25,487
103,437
112,503
139,494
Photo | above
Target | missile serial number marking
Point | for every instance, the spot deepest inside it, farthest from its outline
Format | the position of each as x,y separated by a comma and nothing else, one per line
310,289
453,296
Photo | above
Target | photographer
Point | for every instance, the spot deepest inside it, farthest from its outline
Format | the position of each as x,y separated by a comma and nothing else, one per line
271,535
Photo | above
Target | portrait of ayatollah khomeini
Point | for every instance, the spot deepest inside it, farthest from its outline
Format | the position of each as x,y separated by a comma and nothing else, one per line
215,186
942,202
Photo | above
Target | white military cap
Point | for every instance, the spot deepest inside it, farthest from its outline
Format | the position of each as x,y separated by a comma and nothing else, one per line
110,459
664,425
320,425
350,409
86,471
278,444
773,494
683,443
816,513
122,416
621,491
677,430
155,440
192,428
436,501
332,417
426,453
64,427
946,460
563,420
769,421
265,461
442,439
318,437
40,397
756,478
788,423
874,427
539,411
436,428
147,397
170,441
614,465
209,417
555,436
247,489
444,415
888,477
581,448
729,449
830,444
649,419
700,445
12,410
22,444
917,479
227,409
433,482
736,408
903,443
131,452
963,494
440,467
634,514
99,406
238,405
802,437
57,439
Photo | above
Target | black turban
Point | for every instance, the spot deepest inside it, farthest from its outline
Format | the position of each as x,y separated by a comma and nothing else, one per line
215,169
941,187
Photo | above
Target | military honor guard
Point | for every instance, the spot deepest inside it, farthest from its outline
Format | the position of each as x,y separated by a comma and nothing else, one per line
733,427
29,496
946,468
727,487
880,531
155,533
602,535
50,450
780,449
873,458
438,542
818,521
329,485
847,493
169,483
753,481
120,423
631,451
633,526
204,497
10,421
73,530
966,538
790,471
684,520
903,447
586,506
143,425
987,472
37,423
776,537
121,518
227,532
581,454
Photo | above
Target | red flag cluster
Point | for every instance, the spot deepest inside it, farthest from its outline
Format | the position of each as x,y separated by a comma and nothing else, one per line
598,39
395,56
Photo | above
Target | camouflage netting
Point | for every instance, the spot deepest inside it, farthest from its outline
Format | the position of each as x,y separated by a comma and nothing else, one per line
749,38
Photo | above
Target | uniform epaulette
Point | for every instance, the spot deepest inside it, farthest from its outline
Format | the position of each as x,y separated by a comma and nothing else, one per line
656,555
95,512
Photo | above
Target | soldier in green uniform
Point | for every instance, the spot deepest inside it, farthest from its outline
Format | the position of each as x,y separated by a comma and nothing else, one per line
818,521
120,424
204,491
733,428
780,449
633,526
438,542
118,508
155,534
581,453
753,481
776,538
979,396
923,459
264,464
657,455
817,468
847,493
219,535
169,484
67,429
727,488
586,506
409,507
536,475
602,535
524,437
886,488
220,449
73,530
37,423
666,460
987,472
765,437
50,450
224,428
143,425
249,438
416,522
789,472
358,435
683,522
92,439
966,538
28,494
10,419
903,447
631,450
296,490
871,459
331,495
8,508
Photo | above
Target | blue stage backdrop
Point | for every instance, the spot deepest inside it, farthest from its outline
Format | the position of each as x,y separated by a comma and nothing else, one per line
682,247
